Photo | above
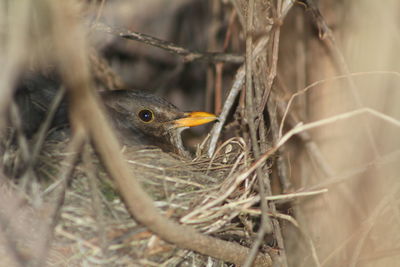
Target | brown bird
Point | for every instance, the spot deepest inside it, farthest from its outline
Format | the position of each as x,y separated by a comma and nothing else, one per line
139,118
147,119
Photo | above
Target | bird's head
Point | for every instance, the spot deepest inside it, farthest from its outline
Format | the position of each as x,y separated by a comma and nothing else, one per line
147,119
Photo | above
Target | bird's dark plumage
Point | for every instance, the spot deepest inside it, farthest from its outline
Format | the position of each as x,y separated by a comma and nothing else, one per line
138,118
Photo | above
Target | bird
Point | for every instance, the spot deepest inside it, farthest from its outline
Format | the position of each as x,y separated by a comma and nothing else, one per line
138,118
146,119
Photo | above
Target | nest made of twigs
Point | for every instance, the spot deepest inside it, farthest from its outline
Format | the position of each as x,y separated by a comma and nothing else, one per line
95,226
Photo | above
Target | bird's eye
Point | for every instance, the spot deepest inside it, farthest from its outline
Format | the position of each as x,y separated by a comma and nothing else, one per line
146,115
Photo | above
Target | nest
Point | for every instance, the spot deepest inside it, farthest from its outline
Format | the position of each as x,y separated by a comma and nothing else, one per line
95,227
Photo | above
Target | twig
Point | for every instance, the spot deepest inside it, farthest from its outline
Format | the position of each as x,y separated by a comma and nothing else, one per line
311,146
266,226
22,141
100,10
296,195
73,152
96,199
261,106
227,142
224,194
379,255
329,40
312,125
323,29
317,156
272,106
70,236
314,84
282,173
171,47
26,169
344,116
230,100
280,163
220,66
103,73
238,83
338,179
44,127
365,227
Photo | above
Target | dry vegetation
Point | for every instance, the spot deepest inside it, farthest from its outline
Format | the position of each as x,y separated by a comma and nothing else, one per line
302,168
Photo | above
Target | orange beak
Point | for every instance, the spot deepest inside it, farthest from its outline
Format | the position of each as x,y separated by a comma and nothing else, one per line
195,118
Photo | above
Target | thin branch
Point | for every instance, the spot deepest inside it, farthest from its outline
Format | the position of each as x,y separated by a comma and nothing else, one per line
230,100
280,162
27,173
323,29
22,141
338,179
379,255
73,152
100,10
261,105
290,196
344,116
170,47
44,127
270,80
228,104
238,83
335,78
90,171
365,227
329,40
305,127
266,226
